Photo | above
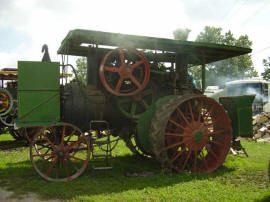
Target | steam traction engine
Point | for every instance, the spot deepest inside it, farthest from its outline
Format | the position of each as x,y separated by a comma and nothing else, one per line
137,85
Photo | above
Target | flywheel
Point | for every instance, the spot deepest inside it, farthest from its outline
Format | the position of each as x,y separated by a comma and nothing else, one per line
124,71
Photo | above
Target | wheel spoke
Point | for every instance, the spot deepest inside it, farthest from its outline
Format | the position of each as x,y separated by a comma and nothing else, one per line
137,64
51,167
49,141
195,160
75,143
177,134
177,124
42,146
200,111
190,110
171,129
212,152
42,155
67,141
122,56
133,108
208,113
217,132
177,155
182,115
186,160
76,158
65,168
111,69
204,161
57,170
135,81
119,84
63,135
218,143
174,145
214,122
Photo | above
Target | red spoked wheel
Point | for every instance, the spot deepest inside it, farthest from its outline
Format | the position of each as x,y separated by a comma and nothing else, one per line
60,152
6,102
196,134
124,71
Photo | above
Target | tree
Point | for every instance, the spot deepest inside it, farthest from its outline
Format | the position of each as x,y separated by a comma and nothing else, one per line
181,34
210,35
218,73
266,73
81,69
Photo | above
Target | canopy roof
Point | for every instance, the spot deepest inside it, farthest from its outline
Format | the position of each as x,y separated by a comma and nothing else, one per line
81,42
12,74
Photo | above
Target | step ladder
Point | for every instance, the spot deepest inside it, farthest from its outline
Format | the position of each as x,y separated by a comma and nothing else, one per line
100,142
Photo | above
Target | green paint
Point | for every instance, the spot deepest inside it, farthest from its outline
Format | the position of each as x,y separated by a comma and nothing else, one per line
144,122
239,109
199,136
38,93
61,154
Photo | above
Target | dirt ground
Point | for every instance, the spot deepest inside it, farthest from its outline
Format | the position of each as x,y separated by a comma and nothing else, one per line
7,197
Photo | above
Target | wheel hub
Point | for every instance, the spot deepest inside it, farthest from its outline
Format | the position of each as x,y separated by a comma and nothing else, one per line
126,72
60,153
198,136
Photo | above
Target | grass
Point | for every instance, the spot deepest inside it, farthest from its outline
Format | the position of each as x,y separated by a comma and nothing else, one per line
238,179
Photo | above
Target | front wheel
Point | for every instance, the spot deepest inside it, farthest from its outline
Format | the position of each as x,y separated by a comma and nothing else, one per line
60,152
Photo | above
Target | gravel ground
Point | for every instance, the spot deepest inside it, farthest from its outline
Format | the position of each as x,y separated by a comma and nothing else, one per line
7,197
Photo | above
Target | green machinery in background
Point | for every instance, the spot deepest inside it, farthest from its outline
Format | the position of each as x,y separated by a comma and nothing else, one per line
137,89
239,109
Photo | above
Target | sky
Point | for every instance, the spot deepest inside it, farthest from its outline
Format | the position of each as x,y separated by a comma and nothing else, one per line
25,25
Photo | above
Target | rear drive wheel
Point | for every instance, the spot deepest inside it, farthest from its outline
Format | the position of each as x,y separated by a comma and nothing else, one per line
191,132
